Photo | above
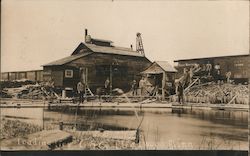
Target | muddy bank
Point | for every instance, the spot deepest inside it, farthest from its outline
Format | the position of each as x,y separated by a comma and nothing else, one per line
15,128
89,141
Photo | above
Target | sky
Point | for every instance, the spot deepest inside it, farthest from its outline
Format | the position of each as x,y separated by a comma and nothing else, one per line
36,32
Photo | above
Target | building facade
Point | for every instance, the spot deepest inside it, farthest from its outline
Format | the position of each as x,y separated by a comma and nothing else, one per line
94,62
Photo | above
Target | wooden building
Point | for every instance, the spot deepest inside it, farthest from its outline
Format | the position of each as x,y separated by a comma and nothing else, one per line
94,61
238,65
161,75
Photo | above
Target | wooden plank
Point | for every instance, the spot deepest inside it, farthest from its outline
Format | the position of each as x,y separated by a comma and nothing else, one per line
52,137
191,84
43,140
232,99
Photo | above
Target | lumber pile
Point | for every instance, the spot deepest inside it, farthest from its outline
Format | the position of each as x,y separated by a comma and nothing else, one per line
30,91
214,93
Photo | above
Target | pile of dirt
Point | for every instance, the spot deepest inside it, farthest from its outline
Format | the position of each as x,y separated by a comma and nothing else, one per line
16,128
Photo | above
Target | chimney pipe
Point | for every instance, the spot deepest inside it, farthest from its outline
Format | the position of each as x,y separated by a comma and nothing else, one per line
86,32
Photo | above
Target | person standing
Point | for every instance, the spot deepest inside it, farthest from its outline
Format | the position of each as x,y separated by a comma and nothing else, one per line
179,91
134,87
217,73
142,85
80,91
106,86
228,76
208,68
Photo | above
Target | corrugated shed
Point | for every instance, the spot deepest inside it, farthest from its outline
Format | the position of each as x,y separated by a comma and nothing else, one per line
67,59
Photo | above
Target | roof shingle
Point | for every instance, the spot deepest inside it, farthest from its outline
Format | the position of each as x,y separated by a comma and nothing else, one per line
67,59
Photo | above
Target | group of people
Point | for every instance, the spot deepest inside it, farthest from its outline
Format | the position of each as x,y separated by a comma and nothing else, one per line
81,87
141,86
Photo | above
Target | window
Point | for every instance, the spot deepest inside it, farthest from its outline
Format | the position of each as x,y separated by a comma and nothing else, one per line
238,63
68,73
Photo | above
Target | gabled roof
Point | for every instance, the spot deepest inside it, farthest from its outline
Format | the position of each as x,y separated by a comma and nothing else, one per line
85,49
166,66
67,59
158,67
113,50
102,40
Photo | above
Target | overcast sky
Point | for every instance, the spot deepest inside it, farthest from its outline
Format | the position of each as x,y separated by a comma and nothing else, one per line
36,32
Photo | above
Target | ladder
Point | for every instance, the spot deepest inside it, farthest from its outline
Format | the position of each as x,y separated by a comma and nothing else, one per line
88,92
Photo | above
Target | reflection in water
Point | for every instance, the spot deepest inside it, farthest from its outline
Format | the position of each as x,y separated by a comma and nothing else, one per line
160,126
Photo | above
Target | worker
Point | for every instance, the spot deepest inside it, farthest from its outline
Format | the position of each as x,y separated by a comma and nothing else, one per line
107,86
208,68
179,92
217,73
228,76
142,85
80,91
134,87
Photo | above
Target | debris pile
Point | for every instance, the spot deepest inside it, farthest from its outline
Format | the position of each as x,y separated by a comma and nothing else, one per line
16,128
30,91
16,83
214,93
4,94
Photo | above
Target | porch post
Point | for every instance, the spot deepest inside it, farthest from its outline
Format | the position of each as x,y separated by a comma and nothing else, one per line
163,85
110,77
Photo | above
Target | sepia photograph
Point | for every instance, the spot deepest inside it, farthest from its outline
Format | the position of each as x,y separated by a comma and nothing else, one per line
124,75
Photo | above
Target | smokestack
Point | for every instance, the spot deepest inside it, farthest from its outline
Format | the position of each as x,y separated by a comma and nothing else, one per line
86,32
87,37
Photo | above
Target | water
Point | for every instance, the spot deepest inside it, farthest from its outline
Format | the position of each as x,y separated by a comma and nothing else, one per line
163,128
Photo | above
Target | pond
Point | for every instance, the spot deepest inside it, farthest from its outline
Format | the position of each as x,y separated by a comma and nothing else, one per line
162,128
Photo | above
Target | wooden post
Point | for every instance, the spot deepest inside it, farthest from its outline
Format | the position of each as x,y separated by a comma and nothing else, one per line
15,76
36,77
60,125
8,76
86,76
163,85
110,75
86,80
